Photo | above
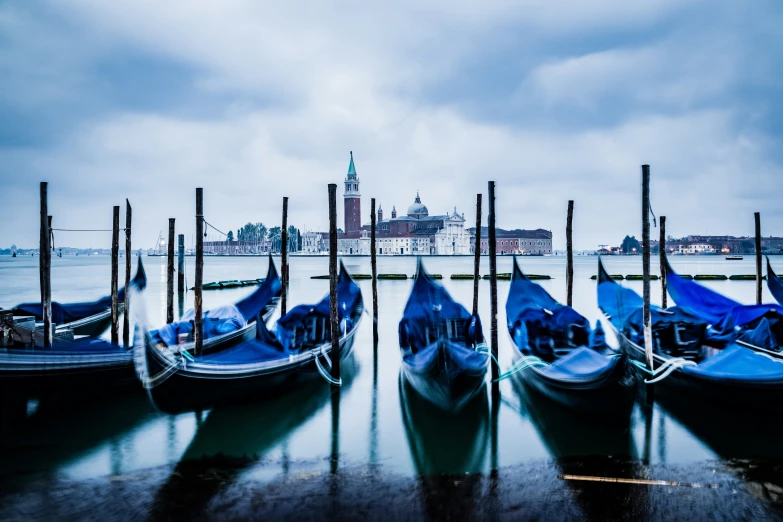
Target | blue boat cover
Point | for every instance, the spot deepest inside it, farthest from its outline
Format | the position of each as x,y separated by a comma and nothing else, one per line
432,314
738,364
294,329
68,313
224,319
580,364
676,331
774,284
544,323
727,317
80,346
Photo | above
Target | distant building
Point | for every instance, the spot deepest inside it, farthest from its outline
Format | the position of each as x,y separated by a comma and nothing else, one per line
315,242
530,242
702,244
416,233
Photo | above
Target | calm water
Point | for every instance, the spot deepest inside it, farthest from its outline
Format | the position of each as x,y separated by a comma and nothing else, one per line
379,422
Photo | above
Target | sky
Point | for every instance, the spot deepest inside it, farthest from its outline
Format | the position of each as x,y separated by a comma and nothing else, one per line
254,101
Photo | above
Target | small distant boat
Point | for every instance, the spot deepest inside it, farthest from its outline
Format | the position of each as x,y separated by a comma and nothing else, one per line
266,364
734,258
444,357
560,356
88,318
685,364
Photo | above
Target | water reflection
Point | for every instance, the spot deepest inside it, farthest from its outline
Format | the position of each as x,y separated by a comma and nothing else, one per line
231,439
730,434
584,445
60,432
448,450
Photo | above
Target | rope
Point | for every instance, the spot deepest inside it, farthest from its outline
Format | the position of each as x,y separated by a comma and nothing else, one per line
663,370
213,228
87,229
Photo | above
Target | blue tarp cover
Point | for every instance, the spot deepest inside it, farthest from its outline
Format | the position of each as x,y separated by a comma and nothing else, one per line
729,320
68,313
432,313
434,321
224,319
580,364
677,331
286,336
740,364
547,323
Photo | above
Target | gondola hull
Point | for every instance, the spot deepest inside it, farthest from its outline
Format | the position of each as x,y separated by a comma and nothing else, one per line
191,388
446,382
39,372
610,394
711,392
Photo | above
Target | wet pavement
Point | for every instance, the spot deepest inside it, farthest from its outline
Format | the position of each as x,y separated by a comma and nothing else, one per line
209,489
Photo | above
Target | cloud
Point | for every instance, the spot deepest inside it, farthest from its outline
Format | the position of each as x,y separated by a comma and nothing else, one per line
254,102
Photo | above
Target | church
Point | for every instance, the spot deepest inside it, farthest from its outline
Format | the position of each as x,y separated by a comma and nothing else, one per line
415,233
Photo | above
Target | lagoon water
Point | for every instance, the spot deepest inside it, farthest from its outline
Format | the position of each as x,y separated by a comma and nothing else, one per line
379,423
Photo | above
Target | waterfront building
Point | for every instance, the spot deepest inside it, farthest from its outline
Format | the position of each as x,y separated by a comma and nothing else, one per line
519,241
315,242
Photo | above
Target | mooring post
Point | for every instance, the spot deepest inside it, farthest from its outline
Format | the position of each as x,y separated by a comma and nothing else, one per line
284,256
181,263
115,275
45,261
662,254
477,255
128,256
570,254
757,217
648,342
170,274
197,291
334,326
493,280
374,268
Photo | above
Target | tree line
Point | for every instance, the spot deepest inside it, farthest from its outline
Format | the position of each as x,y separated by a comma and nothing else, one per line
258,233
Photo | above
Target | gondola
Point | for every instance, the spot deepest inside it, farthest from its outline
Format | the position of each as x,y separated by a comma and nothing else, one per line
734,376
443,355
87,318
227,325
69,366
297,347
774,284
558,354
758,327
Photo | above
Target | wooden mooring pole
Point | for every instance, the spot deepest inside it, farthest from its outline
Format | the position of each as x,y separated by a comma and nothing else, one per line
197,290
334,326
662,255
181,263
757,217
45,262
170,274
570,254
477,255
128,256
115,275
648,342
493,281
284,256
374,269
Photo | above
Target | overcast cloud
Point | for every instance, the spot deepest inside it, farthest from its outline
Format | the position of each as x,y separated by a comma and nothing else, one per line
255,101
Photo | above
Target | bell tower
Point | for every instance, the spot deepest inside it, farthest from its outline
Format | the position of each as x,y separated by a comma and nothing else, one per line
352,200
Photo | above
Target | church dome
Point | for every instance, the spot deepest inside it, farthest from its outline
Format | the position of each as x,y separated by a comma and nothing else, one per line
417,209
